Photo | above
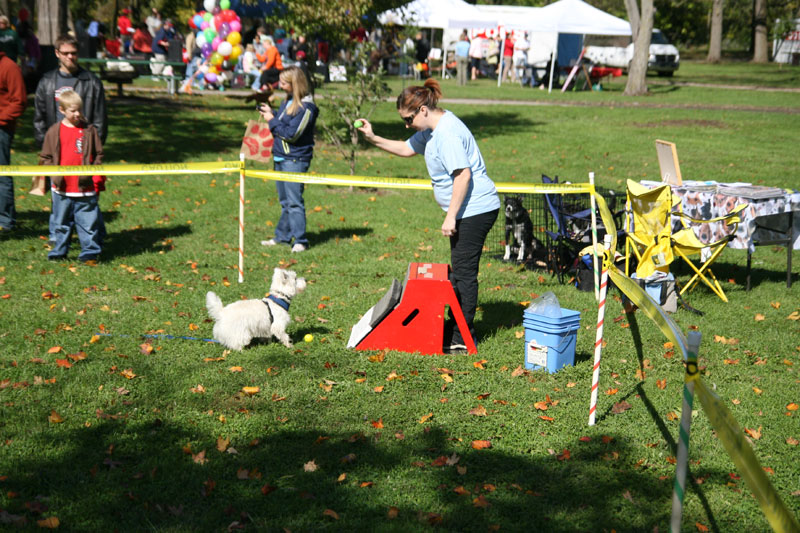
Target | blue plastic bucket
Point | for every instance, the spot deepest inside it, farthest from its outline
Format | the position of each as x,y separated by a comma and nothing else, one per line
550,341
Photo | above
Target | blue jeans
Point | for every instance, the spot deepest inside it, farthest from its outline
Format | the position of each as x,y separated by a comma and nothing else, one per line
82,213
292,223
8,213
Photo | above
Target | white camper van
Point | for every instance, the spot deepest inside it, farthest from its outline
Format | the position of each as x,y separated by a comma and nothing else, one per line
613,52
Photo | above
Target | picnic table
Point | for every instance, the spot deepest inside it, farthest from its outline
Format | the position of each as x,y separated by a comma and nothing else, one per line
124,70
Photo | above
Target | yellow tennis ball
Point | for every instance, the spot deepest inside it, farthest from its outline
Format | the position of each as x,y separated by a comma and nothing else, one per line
309,337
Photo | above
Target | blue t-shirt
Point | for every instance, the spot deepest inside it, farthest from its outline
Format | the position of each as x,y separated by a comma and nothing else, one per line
462,49
448,148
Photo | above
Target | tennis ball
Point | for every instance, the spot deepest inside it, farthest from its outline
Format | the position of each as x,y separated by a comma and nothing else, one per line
358,123
309,337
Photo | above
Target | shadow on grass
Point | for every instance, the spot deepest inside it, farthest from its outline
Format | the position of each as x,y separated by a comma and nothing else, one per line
32,224
131,242
144,473
319,237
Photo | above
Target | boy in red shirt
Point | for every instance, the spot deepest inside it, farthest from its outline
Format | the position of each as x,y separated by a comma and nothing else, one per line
74,142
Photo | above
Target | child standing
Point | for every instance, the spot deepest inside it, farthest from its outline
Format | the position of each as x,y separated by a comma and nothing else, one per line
74,142
293,129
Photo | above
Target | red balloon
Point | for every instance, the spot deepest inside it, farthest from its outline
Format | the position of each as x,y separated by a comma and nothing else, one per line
191,23
229,15
218,20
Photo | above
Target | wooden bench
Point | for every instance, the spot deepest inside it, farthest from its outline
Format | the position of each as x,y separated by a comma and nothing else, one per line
121,77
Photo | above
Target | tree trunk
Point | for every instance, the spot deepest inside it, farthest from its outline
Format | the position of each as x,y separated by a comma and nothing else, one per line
760,50
715,43
632,8
637,71
52,20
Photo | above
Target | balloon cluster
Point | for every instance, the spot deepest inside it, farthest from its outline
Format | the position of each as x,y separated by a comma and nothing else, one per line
218,36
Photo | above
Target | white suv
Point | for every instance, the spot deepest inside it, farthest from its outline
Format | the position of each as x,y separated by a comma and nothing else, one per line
664,57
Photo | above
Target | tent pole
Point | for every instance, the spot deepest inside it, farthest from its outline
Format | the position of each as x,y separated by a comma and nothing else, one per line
553,58
500,62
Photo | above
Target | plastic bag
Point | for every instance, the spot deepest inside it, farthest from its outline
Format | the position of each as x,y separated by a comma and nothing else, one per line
546,305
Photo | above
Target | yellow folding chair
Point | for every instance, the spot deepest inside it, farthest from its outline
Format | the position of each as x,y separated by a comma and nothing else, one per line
652,243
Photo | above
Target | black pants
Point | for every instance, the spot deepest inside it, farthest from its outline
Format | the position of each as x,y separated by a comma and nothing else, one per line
466,247
270,77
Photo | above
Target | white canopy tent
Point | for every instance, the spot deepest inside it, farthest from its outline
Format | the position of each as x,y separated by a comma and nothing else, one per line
438,14
572,17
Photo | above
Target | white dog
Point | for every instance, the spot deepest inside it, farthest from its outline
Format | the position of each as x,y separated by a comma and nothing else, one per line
238,323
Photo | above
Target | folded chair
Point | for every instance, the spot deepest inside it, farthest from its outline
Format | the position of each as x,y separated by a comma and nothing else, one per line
570,233
653,244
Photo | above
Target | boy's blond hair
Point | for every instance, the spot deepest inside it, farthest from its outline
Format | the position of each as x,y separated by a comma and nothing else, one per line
69,99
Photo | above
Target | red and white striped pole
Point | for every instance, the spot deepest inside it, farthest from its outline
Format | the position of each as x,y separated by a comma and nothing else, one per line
598,343
241,218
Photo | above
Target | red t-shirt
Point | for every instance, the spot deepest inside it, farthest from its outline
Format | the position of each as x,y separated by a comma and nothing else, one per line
508,47
72,146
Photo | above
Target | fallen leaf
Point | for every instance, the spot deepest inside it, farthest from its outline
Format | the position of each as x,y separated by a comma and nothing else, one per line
146,348
425,418
700,527
222,444
792,407
392,512
310,466
378,424
330,512
672,415
461,491
251,390
757,390
661,384
478,411
236,369
792,441
479,364
378,358
481,444
393,376
63,363
446,378
563,456
200,457
611,392
365,484
127,373
54,417
481,502
754,433
546,418
759,317
620,407
48,523
776,305
378,389
541,406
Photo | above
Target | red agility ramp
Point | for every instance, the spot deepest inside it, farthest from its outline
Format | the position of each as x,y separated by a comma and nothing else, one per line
411,318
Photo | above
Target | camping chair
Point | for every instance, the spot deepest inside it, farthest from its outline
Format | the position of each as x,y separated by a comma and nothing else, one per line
569,237
654,246
668,163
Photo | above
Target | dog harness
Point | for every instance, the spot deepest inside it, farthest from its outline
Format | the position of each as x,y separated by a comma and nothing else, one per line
279,301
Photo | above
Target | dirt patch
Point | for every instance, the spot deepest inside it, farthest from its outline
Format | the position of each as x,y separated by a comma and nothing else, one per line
682,124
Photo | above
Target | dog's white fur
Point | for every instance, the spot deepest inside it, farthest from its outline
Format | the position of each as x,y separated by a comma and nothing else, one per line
240,322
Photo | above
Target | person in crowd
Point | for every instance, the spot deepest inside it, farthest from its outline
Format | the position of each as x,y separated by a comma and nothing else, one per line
476,53
293,130
521,47
125,29
421,51
10,43
462,58
161,45
73,141
153,22
283,43
68,76
13,100
271,63
509,72
142,41
461,187
493,55
251,66
301,45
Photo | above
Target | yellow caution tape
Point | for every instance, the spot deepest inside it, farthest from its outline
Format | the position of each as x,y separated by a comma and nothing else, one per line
732,438
215,167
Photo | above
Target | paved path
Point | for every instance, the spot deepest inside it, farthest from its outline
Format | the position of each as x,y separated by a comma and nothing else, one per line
241,93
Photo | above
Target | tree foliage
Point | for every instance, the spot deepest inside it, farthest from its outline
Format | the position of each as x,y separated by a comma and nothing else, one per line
334,19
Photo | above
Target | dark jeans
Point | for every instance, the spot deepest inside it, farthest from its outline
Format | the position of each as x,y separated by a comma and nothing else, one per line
292,224
466,247
8,213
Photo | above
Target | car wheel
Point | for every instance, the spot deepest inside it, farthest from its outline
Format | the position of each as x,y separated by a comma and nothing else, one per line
666,73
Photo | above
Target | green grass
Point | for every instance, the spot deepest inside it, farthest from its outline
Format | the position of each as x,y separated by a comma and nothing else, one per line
125,455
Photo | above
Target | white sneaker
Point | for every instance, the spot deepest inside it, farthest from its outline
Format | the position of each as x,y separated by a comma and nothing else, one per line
269,242
297,248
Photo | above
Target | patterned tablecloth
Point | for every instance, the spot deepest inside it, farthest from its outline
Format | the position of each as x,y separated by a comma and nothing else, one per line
767,207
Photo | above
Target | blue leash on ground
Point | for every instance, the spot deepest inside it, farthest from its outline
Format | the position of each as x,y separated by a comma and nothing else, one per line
157,336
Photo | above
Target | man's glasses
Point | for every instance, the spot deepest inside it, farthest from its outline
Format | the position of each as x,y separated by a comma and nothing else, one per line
68,52
409,119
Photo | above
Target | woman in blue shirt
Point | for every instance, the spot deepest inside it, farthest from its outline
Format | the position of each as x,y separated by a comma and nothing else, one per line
461,187
293,130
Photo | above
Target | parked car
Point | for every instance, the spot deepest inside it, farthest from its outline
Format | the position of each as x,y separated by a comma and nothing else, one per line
664,57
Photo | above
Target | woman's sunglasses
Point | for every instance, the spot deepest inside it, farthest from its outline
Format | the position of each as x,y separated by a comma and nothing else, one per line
409,119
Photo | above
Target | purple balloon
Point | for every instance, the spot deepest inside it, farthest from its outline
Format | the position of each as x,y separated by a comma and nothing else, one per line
236,25
224,30
211,77
206,50
215,42
216,10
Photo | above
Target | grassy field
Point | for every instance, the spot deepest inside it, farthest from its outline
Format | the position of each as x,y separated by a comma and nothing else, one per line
105,429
